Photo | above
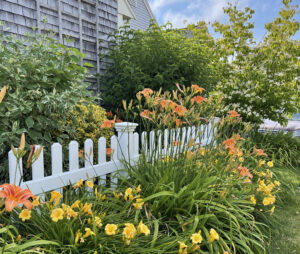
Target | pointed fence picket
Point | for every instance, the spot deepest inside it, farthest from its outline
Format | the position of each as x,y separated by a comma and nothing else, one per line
125,148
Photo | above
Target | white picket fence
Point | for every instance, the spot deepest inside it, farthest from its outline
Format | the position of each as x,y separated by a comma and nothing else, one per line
125,147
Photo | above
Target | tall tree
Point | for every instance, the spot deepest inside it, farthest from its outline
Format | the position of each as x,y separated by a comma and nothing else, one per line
260,80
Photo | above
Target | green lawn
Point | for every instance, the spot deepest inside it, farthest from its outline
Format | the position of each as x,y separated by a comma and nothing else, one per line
286,236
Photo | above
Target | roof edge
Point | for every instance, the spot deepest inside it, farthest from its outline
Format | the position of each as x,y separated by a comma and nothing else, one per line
149,9
129,8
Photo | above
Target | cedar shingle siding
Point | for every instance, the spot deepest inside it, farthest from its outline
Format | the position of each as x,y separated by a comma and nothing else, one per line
84,21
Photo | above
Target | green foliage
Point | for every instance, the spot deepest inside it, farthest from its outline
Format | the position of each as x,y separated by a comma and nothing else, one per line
210,187
44,81
10,243
156,58
105,206
87,122
283,148
259,80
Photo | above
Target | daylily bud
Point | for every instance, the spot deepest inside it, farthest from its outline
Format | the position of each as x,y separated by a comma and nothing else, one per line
38,152
2,93
30,156
22,143
124,104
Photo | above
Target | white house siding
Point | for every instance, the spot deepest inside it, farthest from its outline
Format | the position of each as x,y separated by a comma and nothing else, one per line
85,21
142,14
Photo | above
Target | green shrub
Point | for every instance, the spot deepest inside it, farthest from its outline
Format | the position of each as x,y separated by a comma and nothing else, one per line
87,120
44,81
156,58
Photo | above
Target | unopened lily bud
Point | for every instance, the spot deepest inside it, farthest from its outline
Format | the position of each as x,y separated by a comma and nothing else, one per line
124,104
29,160
2,93
38,152
22,143
130,105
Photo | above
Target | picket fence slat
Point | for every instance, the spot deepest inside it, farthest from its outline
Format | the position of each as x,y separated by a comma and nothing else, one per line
73,156
114,146
125,149
101,150
88,153
14,173
152,142
144,142
38,171
136,139
56,159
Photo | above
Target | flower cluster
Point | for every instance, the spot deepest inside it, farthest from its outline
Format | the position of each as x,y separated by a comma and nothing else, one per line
181,107
197,239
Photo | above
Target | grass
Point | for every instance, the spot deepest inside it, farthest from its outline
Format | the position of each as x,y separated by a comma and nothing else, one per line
286,235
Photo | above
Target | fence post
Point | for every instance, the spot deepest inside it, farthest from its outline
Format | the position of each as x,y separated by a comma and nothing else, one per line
126,140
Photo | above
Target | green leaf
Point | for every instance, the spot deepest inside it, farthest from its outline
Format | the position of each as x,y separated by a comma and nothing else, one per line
160,194
88,65
29,122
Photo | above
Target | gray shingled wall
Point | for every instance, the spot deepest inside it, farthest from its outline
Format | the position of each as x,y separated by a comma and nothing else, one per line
84,21
142,15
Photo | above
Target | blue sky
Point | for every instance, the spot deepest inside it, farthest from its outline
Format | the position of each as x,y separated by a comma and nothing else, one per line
176,11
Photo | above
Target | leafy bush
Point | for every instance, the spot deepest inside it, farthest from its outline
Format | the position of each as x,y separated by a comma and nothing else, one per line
283,148
87,120
44,81
156,58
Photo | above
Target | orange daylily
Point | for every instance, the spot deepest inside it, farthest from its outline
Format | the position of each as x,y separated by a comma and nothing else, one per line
146,92
233,113
80,153
198,99
180,110
145,114
229,143
178,122
109,151
197,89
107,124
109,114
245,172
168,103
259,152
15,195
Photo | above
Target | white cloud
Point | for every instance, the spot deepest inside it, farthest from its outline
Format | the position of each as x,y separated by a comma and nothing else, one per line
158,5
195,10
